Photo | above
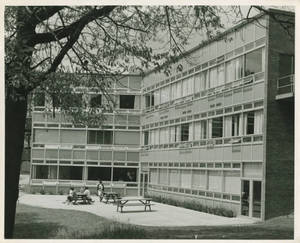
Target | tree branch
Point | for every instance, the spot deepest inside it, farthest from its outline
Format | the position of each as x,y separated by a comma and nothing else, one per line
61,33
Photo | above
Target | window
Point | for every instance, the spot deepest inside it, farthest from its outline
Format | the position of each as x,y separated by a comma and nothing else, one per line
71,172
100,137
221,75
253,62
156,97
228,126
176,90
165,94
186,132
127,101
234,69
213,77
200,130
249,120
99,173
39,99
258,121
44,172
96,101
147,100
172,134
217,127
72,100
124,174
197,129
286,65
187,86
146,138
200,81
236,125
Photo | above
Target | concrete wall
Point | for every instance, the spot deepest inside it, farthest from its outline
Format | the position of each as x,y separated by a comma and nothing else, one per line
279,181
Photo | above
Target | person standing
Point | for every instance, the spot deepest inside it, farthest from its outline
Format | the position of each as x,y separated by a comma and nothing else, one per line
100,190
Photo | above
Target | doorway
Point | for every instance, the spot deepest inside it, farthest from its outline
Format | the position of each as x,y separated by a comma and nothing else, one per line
251,198
144,182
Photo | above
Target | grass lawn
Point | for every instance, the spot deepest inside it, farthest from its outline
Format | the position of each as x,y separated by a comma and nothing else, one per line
44,223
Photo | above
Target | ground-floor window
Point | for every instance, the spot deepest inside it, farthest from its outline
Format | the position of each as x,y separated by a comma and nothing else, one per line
71,172
99,173
124,174
44,172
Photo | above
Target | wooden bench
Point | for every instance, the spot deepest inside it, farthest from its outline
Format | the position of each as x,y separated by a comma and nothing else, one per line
82,198
110,196
134,201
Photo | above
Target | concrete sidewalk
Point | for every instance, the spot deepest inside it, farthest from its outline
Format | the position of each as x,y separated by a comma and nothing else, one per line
161,214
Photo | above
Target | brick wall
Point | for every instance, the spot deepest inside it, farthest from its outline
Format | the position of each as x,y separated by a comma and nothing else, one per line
279,149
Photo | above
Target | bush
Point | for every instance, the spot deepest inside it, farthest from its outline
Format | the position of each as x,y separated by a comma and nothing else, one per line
42,191
61,192
194,206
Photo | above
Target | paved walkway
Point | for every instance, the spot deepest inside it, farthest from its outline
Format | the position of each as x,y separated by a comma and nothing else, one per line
161,214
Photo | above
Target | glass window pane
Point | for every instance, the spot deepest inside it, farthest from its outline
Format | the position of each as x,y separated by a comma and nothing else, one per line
253,62
217,127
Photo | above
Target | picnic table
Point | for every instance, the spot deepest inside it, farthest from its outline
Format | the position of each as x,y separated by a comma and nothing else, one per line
134,201
81,197
110,196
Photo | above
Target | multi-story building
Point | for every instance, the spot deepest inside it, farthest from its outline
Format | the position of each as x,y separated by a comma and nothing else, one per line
218,130
64,154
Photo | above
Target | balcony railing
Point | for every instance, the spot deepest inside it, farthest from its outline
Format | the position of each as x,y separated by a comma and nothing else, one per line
285,87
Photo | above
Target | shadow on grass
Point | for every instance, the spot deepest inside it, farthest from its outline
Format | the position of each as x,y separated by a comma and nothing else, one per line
29,226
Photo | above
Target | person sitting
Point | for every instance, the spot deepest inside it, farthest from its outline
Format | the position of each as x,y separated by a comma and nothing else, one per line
100,190
70,197
87,193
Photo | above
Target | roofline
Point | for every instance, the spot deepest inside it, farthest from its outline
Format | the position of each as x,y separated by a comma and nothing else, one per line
221,35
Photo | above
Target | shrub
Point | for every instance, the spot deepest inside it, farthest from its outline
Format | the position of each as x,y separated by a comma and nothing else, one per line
194,206
42,191
61,192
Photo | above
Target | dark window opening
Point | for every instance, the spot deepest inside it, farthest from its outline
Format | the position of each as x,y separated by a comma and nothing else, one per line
100,137
99,173
146,138
152,99
185,132
125,174
253,62
39,99
147,101
217,127
250,123
44,172
70,172
286,65
96,101
127,101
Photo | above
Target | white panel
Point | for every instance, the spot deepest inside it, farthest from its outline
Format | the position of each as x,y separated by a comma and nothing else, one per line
215,181
252,170
46,136
174,177
232,182
153,176
67,136
186,178
123,138
199,179
163,176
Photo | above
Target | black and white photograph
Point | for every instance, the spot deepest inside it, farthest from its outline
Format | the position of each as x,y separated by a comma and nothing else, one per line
149,122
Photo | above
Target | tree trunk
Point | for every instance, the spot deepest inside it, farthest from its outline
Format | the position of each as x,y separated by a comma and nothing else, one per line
15,117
